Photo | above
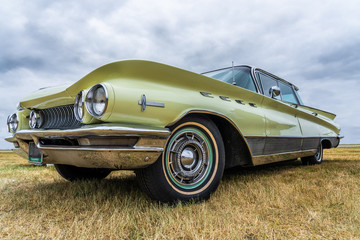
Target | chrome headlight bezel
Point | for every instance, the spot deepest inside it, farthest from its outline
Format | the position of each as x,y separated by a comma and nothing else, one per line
90,101
12,122
8,123
79,106
35,119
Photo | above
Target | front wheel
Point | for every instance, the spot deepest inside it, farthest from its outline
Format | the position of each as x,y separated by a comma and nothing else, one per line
191,166
73,173
316,159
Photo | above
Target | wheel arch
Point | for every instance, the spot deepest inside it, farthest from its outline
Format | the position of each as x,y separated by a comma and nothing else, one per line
237,150
326,143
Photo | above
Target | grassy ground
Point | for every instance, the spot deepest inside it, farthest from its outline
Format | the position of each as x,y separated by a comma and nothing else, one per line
286,201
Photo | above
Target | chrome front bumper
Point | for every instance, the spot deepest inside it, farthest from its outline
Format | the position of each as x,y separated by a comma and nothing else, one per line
96,146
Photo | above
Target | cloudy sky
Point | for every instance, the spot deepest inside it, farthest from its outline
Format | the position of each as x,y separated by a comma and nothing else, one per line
313,44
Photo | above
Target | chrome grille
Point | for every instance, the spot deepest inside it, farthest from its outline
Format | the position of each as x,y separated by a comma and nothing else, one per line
59,118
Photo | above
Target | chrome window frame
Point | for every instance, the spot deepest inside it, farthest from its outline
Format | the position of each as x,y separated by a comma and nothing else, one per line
277,79
262,85
258,83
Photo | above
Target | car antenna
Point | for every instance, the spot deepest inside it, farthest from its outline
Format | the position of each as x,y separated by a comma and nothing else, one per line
233,83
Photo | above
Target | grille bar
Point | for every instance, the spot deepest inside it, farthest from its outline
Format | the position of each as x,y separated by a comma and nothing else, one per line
62,117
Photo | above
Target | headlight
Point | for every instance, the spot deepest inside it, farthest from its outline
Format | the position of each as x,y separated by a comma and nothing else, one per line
35,120
12,122
79,106
96,100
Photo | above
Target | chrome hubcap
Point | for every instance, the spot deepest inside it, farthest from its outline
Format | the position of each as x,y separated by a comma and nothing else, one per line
189,158
318,154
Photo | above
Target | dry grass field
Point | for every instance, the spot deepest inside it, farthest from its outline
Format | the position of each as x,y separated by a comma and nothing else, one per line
284,201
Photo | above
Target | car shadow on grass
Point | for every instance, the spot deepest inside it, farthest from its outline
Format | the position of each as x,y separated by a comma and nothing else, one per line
115,191
268,169
116,186
122,189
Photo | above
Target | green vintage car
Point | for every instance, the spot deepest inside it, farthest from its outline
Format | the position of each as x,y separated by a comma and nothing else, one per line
177,130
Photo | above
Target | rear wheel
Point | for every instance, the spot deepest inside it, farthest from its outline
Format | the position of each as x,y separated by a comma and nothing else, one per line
191,166
73,173
316,159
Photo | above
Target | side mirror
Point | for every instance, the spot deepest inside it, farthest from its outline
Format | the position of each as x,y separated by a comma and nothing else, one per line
274,91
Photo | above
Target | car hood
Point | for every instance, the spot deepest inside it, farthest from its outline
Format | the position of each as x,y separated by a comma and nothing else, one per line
47,97
116,71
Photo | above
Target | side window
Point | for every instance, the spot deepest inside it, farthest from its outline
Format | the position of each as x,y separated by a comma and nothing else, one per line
243,79
241,75
267,82
287,93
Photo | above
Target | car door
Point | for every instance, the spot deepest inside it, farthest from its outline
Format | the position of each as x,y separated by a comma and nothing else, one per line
283,132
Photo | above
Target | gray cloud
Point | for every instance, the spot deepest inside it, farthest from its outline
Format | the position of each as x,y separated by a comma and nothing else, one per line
10,63
342,62
315,46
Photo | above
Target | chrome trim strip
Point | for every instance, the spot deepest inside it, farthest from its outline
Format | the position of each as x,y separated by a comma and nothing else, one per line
94,130
295,152
268,145
265,159
270,136
101,148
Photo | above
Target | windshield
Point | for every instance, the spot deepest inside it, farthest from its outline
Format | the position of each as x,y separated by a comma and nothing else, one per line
241,75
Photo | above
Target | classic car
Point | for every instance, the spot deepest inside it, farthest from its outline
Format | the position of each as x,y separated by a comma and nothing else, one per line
177,130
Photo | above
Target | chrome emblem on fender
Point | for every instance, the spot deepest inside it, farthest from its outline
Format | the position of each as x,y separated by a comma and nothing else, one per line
145,103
